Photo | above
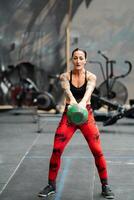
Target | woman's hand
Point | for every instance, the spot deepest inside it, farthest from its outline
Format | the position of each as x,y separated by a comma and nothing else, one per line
73,101
82,104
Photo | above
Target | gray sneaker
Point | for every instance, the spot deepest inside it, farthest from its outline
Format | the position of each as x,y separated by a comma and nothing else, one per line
107,192
49,189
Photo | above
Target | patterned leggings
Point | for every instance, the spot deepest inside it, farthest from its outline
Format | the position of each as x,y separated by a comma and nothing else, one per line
63,135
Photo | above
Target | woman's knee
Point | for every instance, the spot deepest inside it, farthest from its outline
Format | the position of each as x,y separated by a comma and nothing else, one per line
57,151
97,154
96,151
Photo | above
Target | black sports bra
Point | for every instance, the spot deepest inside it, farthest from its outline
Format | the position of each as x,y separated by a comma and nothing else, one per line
78,92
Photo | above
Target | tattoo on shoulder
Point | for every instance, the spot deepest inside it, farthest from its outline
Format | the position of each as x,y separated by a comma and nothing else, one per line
91,81
64,80
63,77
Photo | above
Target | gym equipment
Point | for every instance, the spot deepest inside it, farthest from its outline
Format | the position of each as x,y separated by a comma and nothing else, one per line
25,91
111,88
110,118
77,114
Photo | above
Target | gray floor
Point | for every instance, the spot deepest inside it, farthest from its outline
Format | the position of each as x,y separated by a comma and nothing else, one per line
25,153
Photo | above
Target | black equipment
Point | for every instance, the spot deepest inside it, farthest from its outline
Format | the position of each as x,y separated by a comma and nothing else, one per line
111,88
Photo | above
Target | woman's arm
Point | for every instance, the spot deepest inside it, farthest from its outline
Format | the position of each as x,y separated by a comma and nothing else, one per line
91,83
64,79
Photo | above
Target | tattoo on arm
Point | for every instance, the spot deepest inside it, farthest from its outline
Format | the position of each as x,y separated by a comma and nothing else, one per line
90,88
66,86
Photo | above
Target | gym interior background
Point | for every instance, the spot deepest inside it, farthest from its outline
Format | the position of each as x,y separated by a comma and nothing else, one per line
34,33
33,50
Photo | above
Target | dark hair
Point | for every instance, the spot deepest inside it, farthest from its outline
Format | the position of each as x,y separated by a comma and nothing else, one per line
78,49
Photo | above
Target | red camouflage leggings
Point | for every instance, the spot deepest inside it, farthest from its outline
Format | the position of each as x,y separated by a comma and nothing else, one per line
63,135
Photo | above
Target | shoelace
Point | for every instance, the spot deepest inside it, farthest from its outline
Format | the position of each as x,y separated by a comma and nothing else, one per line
107,188
47,188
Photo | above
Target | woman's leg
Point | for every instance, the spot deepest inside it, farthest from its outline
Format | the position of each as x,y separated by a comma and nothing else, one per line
63,134
92,136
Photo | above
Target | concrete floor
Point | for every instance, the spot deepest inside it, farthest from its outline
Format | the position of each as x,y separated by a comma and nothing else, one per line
25,153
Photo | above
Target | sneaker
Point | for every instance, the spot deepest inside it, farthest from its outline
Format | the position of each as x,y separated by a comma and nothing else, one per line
107,192
49,189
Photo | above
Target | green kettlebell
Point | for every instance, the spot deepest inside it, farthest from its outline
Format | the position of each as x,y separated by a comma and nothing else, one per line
77,114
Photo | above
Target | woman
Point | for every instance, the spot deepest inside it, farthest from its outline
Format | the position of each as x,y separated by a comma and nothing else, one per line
78,86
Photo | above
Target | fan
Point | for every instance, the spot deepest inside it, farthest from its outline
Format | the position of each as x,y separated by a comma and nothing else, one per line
117,91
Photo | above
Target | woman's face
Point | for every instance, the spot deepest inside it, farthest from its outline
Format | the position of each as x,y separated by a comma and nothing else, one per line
79,60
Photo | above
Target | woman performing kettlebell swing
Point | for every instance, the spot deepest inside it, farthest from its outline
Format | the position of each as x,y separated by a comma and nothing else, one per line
78,86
